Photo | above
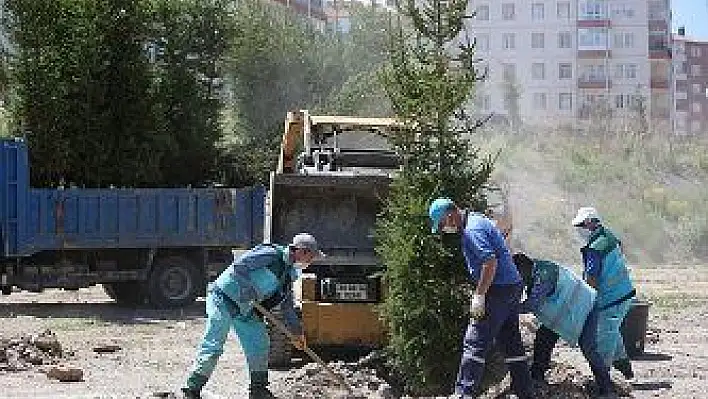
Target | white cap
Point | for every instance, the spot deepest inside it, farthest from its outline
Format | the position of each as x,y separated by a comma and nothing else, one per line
584,214
307,241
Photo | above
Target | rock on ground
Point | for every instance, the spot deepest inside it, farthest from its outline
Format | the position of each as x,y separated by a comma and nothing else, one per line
23,352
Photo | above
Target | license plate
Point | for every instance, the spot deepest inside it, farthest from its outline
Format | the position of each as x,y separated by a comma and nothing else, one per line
351,292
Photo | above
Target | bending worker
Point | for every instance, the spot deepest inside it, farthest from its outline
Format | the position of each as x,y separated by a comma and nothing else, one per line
264,274
565,306
494,307
606,271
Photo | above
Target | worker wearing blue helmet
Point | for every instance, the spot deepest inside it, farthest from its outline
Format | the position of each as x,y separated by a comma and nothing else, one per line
263,274
495,303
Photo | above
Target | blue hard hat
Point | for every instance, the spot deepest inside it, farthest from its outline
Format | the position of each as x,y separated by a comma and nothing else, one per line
437,211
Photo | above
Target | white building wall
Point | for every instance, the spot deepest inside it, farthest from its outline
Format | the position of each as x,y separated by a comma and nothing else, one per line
524,56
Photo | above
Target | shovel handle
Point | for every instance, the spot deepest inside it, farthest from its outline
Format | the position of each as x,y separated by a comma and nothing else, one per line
283,329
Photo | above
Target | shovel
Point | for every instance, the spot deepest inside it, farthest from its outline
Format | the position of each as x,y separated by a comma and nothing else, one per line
283,329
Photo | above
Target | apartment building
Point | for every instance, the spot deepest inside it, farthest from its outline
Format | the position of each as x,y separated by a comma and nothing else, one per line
562,60
690,85
334,14
312,9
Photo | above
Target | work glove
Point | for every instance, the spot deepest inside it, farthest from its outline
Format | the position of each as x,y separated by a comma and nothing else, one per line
477,307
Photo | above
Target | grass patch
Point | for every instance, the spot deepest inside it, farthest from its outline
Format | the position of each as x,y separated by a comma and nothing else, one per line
652,190
676,300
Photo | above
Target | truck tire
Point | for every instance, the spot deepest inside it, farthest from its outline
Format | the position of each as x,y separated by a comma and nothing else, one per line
174,282
280,352
126,293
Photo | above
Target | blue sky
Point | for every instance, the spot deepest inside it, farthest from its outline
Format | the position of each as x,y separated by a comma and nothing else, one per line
694,15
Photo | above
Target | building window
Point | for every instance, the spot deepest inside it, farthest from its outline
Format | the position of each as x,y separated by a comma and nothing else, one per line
509,72
483,102
624,40
537,11
696,107
565,101
657,10
630,71
696,87
565,40
563,10
622,11
482,42
658,40
539,101
696,126
623,101
695,51
592,9
538,40
592,38
695,70
508,12
626,71
482,13
508,41
538,71
593,73
565,71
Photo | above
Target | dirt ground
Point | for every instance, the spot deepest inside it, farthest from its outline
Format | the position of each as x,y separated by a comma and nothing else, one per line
157,347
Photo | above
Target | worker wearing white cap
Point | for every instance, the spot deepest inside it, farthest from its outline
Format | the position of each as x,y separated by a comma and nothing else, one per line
264,274
606,271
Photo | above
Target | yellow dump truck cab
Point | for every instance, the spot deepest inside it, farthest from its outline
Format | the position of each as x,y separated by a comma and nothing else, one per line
332,176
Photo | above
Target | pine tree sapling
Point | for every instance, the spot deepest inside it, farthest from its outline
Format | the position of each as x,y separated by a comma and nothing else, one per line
431,77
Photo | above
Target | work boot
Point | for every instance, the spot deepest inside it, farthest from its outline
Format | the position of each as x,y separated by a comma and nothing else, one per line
260,392
624,366
190,394
258,387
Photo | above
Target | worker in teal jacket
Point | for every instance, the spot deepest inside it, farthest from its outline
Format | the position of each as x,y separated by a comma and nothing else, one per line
565,306
264,274
606,271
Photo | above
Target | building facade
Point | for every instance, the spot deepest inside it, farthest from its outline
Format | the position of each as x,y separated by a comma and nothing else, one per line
690,60
561,61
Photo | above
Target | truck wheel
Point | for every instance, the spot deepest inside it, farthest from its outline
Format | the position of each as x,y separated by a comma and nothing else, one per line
174,282
127,293
280,352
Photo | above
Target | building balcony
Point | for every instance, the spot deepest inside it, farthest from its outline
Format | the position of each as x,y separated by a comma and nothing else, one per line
659,83
681,95
594,83
656,25
593,23
681,76
594,53
659,53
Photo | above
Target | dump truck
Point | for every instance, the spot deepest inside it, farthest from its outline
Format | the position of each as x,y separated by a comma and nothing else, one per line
154,246
332,176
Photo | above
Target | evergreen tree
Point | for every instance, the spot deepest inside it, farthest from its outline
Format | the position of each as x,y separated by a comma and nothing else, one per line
431,79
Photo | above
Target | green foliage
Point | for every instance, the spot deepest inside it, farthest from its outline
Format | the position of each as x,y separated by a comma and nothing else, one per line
650,188
279,62
431,78
97,110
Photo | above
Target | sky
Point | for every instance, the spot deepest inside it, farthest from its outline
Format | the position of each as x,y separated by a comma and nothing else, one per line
693,14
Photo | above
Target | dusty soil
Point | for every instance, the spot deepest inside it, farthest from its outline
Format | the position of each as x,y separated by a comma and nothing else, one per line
149,351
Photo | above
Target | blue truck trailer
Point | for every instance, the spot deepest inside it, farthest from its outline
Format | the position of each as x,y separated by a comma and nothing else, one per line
156,246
